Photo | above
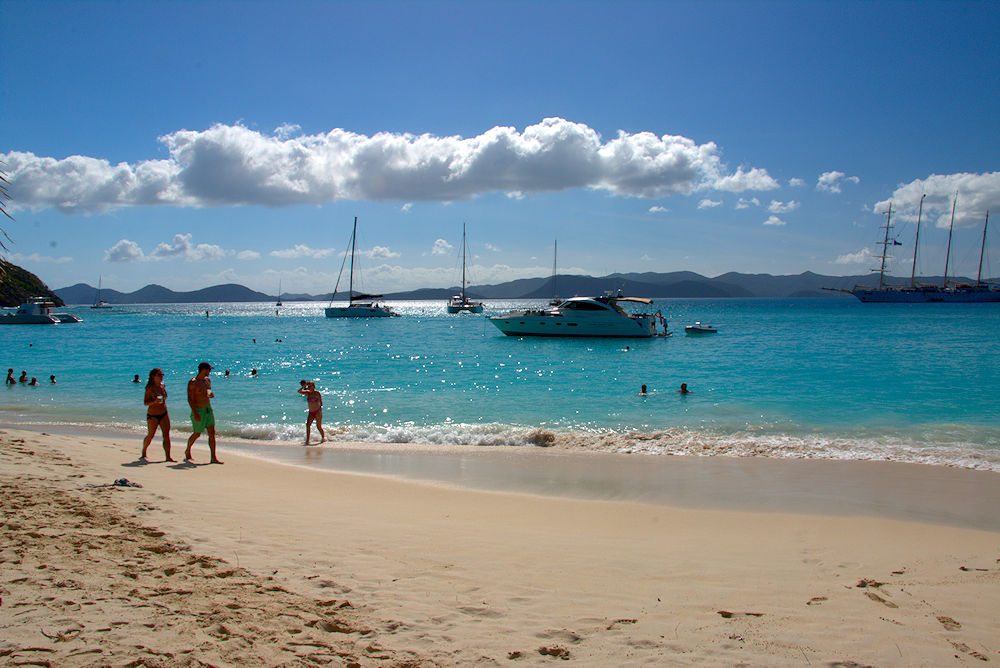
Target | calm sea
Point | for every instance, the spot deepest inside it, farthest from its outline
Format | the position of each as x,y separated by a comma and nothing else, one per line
824,378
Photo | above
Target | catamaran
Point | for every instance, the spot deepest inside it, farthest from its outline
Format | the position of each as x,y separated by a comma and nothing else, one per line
359,305
98,302
583,316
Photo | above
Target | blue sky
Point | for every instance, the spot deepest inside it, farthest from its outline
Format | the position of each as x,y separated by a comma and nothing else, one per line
196,143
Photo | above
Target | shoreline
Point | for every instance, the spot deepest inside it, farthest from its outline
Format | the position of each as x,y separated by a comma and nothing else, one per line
934,494
440,575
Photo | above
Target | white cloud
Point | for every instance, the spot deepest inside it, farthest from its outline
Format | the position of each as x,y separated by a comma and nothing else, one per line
832,182
228,165
977,194
863,256
658,209
379,253
709,203
20,258
301,250
796,183
782,207
406,207
753,179
180,248
441,247
774,220
248,255
492,248
747,203
124,251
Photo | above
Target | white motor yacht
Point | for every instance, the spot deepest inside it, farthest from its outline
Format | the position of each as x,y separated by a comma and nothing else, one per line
36,311
581,316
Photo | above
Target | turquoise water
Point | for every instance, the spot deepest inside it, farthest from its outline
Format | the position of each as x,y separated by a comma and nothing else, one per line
825,378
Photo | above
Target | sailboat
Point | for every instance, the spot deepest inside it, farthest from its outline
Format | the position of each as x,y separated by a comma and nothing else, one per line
980,292
460,302
98,302
279,294
360,305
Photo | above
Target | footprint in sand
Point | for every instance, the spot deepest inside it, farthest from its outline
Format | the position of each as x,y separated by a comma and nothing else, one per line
816,600
875,597
949,623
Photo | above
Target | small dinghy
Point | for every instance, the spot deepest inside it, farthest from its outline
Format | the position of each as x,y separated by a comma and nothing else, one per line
698,328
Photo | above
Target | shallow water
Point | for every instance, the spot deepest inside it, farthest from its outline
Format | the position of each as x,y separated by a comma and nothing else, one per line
824,378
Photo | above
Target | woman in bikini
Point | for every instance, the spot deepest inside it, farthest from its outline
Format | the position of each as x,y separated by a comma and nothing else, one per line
315,402
156,412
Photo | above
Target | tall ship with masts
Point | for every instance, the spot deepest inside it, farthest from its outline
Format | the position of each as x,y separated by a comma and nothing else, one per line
978,292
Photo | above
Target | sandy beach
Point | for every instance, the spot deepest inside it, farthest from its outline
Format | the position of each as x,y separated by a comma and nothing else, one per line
257,563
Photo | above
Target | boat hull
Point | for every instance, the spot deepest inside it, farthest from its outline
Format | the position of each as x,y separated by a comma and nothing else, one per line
640,326
971,295
359,312
465,308
21,319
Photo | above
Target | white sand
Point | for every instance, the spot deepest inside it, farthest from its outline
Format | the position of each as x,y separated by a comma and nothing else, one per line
317,566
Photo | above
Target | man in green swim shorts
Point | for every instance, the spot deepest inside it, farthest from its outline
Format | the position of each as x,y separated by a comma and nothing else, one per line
202,418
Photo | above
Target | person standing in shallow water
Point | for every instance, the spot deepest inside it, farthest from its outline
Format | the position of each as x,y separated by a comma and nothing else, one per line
314,400
156,413
199,392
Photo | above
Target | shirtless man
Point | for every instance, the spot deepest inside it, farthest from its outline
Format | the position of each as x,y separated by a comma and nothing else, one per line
202,418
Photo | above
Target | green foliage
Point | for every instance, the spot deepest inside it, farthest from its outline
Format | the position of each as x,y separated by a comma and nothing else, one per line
17,284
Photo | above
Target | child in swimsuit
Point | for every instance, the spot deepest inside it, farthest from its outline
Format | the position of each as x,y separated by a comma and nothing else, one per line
156,412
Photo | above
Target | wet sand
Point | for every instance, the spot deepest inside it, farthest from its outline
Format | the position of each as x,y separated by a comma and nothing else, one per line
761,562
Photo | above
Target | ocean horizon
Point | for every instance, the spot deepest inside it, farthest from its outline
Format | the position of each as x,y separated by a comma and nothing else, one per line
786,378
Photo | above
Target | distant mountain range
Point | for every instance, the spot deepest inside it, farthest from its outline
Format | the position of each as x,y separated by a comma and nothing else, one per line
679,284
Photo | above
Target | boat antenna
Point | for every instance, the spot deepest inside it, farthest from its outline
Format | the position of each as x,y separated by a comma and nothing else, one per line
982,251
885,248
916,243
947,255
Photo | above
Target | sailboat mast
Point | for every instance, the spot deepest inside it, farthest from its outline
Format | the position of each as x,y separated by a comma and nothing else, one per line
885,249
354,241
947,255
555,257
982,251
916,243
463,263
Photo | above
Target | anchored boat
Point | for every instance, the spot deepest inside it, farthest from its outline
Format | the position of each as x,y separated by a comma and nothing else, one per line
359,305
582,316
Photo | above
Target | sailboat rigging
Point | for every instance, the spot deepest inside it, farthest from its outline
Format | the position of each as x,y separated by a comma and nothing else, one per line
359,305
460,302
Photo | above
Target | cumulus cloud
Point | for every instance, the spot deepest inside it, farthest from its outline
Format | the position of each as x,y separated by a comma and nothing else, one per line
180,248
124,251
832,182
745,203
248,255
709,203
492,248
441,247
658,209
863,256
379,253
228,165
774,220
782,207
977,194
301,250
796,183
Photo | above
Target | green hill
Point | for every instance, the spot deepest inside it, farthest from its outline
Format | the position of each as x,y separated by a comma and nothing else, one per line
17,284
